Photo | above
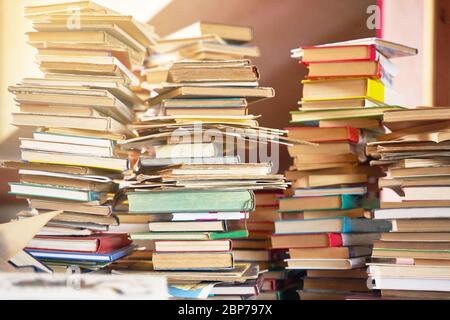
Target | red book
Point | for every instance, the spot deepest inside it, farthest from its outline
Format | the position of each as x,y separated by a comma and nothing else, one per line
322,135
322,240
98,244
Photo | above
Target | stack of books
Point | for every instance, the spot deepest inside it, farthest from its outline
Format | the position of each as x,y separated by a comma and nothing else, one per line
198,172
413,261
81,108
256,249
326,222
199,41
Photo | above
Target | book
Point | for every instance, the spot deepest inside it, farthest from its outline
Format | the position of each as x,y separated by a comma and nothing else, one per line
321,264
197,226
37,145
101,244
101,124
250,94
338,53
338,202
193,246
72,139
113,164
320,135
189,236
212,71
74,256
33,190
174,202
337,114
378,69
330,253
53,205
334,225
192,261
205,150
226,32
387,48
338,104
353,88
329,192
322,240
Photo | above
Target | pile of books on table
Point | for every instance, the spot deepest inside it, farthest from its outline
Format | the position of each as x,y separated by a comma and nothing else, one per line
199,41
195,187
81,108
413,260
326,220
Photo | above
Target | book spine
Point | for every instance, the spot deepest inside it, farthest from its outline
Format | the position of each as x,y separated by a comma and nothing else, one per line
335,240
353,134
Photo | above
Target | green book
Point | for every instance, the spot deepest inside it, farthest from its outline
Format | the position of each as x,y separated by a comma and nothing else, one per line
191,201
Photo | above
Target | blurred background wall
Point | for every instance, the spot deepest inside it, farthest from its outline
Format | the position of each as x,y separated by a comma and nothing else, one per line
280,25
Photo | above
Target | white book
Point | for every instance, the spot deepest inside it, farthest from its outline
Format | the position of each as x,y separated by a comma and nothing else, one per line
412,213
199,150
48,146
412,284
62,138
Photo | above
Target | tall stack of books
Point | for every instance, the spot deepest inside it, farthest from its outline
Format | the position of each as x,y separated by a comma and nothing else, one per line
81,107
326,222
413,261
198,173
199,41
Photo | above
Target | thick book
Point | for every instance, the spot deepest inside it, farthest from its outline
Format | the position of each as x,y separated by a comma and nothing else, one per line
319,135
188,226
314,54
192,201
352,88
193,261
379,69
99,244
336,202
193,246
322,240
334,225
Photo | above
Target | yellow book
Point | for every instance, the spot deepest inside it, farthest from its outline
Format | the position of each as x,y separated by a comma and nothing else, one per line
351,88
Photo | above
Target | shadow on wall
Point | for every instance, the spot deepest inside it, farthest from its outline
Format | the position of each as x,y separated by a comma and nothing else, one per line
279,27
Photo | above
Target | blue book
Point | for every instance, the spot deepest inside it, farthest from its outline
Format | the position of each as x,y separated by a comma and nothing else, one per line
333,225
76,256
